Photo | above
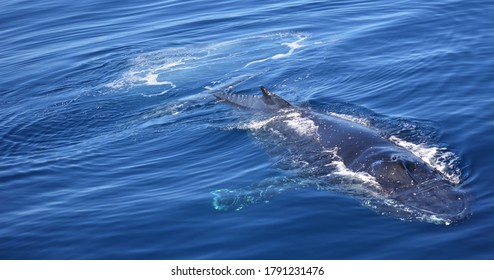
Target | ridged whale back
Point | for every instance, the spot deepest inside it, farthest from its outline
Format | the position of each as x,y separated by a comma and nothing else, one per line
267,101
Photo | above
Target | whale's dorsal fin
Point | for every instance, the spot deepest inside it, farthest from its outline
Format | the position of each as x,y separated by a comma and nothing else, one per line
273,99
268,100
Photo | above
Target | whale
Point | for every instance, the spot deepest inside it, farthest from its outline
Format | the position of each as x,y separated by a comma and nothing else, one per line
331,153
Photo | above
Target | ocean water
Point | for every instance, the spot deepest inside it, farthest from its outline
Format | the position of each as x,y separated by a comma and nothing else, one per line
111,142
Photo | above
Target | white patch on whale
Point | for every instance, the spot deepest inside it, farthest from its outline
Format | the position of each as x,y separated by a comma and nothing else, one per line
293,119
352,180
438,158
302,126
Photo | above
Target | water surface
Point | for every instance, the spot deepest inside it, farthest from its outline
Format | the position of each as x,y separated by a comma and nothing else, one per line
111,142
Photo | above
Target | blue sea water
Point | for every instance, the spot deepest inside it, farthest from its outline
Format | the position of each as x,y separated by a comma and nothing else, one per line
111,142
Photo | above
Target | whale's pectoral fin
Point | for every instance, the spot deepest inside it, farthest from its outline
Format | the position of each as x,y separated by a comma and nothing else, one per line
227,199
236,199
266,101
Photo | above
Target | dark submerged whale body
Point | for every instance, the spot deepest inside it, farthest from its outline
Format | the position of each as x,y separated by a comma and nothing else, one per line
331,153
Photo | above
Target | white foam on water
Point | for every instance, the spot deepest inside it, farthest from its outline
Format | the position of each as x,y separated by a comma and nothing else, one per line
256,124
390,207
142,75
293,120
230,83
300,125
170,65
438,158
359,182
436,220
291,49
161,69
361,121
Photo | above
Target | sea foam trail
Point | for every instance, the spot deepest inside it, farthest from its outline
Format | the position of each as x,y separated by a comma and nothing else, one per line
165,70
148,76
292,47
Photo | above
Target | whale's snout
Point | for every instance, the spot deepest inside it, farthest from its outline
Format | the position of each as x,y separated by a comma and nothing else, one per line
419,188
436,197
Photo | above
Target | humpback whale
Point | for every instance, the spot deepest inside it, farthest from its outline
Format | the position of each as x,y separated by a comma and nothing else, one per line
322,150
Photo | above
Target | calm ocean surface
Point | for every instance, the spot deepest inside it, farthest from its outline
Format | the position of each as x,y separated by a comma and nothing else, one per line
111,141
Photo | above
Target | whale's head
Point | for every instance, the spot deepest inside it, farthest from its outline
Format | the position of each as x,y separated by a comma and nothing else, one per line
417,187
